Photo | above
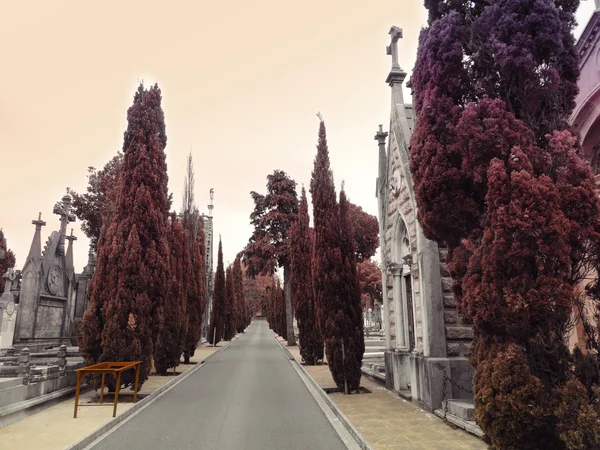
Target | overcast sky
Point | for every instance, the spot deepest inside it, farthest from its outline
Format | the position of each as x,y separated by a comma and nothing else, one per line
242,83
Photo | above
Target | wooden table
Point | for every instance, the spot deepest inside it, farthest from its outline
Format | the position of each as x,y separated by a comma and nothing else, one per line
112,368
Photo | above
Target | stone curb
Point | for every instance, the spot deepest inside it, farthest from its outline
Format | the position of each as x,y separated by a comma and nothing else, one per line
143,403
358,437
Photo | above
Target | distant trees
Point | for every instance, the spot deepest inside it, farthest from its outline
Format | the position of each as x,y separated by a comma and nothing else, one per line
230,308
366,232
128,289
95,207
217,315
335,278
255,291
500,182
196,294
369,276
242,320
268,247
311,343
196,286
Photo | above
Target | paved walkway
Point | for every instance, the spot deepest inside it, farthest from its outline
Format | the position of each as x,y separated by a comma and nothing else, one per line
247,397
55,429
388,422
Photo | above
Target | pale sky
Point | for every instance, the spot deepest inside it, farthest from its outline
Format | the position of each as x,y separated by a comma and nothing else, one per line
241,83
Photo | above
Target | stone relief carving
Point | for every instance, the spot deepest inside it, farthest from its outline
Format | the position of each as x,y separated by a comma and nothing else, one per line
54,276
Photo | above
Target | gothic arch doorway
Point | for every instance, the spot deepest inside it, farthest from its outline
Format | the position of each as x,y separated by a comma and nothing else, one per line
403,287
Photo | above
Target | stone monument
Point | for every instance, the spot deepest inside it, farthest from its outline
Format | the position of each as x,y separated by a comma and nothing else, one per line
46,296
426,341
8,311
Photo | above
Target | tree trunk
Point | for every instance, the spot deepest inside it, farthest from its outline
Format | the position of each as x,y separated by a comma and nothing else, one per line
291,339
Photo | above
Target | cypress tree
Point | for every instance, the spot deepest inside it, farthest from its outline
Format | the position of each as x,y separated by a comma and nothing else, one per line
172,335
242,316
230,310
129,284
311,345
196,291
499,180
349,319
327,255
196,295
217,315
281,312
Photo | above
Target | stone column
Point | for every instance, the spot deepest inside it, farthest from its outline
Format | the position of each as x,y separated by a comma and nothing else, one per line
399,306
61,360
23,370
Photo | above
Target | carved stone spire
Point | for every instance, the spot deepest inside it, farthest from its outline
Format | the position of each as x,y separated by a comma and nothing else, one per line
69,258
380,137
35,251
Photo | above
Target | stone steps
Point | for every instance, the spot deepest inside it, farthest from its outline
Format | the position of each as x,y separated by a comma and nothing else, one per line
374,372
461,413
463,408
371,355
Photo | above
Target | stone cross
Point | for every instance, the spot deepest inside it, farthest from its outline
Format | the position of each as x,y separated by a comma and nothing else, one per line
63,209
392,49
71,238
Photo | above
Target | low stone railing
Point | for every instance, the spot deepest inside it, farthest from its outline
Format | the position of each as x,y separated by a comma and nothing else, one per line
34,367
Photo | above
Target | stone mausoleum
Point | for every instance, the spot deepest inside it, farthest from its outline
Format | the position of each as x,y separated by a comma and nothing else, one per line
426,344
585,120
46,297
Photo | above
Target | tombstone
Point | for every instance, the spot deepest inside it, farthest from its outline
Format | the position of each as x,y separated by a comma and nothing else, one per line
376,316
8,311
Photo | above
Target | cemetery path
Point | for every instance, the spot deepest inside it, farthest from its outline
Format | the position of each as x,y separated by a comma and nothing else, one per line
247,397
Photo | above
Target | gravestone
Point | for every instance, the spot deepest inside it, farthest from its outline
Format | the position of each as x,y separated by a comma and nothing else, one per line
8,311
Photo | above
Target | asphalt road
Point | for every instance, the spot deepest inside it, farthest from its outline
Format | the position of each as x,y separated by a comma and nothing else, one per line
247,397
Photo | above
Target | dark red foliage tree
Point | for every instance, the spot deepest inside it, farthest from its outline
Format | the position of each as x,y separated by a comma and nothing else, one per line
238,288
196,290
337,290
230,309
280,318
255,291
270,303
366,232
499,180
268,247
326,259
196,294
95,207
311,344
7,260
217,315
172,335
369,276
129,285
348,322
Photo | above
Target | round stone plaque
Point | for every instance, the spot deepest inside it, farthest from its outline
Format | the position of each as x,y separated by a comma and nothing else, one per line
10,308
54,279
